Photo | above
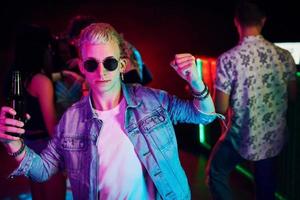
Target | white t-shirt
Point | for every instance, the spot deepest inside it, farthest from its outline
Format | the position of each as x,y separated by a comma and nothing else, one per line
121,174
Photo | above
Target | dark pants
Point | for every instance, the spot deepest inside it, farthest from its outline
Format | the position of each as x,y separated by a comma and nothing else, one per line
223,161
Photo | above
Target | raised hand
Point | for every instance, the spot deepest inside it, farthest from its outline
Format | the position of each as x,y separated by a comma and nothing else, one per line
185,66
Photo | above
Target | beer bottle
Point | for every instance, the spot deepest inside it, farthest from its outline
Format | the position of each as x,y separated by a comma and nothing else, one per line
16,96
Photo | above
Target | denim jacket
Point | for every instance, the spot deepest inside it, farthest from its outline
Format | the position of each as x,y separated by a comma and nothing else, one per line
149,117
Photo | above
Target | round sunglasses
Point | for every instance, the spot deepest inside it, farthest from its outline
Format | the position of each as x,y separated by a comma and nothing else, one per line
109,63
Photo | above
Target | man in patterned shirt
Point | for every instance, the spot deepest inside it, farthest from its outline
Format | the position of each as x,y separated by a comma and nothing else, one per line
253,80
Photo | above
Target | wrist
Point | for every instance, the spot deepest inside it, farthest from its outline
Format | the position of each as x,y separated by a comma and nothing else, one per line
197,86
15,148
201,95
11,144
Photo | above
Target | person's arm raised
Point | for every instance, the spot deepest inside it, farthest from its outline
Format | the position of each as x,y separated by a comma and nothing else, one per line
185,66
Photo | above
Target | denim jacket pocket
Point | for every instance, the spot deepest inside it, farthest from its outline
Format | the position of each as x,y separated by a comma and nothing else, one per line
73,150
158,127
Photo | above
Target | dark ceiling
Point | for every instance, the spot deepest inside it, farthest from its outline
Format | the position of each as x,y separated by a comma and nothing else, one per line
283,15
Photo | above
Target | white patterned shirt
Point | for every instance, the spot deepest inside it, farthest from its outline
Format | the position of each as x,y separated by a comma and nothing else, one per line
255,74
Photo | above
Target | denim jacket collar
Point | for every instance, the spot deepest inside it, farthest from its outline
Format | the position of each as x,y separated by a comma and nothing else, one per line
89,110
131,100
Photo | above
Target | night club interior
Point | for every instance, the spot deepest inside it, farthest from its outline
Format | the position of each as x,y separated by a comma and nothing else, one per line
159,30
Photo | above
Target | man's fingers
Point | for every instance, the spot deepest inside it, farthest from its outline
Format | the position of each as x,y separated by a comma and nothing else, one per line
183,55
28,117
11,122
173,64
11,129
7,138
6,110
179,58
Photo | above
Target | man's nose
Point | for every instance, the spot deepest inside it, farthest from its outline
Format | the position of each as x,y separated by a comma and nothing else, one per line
101,69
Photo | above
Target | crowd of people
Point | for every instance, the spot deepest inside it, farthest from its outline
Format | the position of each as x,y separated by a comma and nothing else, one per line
92,119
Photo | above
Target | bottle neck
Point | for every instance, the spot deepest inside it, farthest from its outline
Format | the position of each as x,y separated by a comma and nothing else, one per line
16,84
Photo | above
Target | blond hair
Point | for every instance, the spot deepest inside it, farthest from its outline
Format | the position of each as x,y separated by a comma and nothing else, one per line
101,33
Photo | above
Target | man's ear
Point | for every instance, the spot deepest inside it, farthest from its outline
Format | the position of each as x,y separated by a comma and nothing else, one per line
123,63
81,68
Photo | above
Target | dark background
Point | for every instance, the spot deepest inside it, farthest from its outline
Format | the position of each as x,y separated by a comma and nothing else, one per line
158,29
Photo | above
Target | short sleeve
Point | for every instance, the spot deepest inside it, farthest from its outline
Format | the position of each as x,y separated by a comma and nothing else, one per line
291,68
223,77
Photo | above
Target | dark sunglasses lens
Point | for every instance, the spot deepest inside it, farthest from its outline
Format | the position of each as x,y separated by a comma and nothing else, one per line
110,64
90,65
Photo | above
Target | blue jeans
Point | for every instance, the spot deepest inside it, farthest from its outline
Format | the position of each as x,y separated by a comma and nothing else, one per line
223,161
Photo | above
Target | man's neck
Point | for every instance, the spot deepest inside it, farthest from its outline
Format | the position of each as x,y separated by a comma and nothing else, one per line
107,101
250,31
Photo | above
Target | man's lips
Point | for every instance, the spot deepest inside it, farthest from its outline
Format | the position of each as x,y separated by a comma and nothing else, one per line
101,81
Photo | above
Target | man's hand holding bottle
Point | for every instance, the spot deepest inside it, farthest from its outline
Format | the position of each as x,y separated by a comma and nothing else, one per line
11,131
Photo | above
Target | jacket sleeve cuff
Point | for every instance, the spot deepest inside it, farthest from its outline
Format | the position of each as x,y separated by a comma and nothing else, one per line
208,117
25,164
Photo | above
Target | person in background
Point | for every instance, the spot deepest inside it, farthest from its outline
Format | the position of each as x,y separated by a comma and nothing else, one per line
68,80
136,70
253,82
72,33
33,58
69,84
118,142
